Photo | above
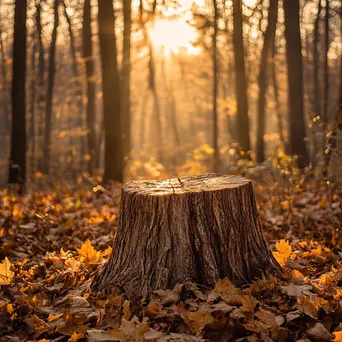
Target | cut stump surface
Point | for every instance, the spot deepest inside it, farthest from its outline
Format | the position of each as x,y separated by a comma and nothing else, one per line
191,228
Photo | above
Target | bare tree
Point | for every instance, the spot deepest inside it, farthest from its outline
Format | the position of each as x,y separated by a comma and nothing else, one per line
295,82
41,87
276,97
326,71
263,77
126,76
317,92
216,163
114,165
90,85
17,161
49,95
240,79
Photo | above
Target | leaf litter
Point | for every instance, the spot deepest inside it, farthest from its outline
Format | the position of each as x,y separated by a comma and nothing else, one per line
52,243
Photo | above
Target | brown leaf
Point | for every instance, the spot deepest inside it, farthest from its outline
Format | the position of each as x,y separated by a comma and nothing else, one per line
105,336
319,331
299,291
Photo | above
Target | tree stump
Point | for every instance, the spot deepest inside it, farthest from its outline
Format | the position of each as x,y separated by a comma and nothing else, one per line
191,228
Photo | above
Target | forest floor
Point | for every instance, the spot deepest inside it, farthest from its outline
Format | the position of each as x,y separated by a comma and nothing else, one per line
52,242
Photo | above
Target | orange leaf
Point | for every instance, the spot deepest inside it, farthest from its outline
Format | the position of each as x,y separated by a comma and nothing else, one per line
88,253
6,275
338,336
126,310
75,337
283,252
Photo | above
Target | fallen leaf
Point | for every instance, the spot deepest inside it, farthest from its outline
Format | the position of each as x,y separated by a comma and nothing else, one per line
198,320
319,331
75,337
6,275
283,252
105,336
337,336
299,291
126,310
88,253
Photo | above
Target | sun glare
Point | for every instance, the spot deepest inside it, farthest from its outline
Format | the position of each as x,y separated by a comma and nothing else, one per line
174,36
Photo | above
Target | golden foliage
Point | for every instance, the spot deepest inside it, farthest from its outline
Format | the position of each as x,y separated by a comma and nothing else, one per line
6,275
88,253
283,252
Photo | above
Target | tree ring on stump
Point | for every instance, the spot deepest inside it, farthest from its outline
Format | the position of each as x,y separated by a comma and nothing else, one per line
200,228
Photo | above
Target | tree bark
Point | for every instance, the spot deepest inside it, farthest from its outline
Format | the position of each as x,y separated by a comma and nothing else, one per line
325,112
49,95
4,103
114,166
126,78
263,78
78,89
242,120
90,85
276,97
41,90
295,82
32,135
17,161
317,92
216,161
198,228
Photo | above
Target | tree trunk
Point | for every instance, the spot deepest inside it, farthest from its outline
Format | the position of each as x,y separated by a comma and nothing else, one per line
216,161
240,79
268,43
4,105
158,127
326,73
17,161
317,93
295,82
114,166
41,90
198,228
276,97
90,85
78,89
49,95
126,77
32,135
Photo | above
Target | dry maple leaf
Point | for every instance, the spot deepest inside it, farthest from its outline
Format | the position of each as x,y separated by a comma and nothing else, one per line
75,337
88,253
338,336
198,320
6,275
126,310
319,331
283,252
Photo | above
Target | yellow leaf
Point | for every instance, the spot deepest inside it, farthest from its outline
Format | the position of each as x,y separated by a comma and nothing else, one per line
75,337
2,232
248,303
88,253
53,317
325,279
9,308
141,330
338,336
126,310
198,320
34,300
6,275
283,252
107,252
